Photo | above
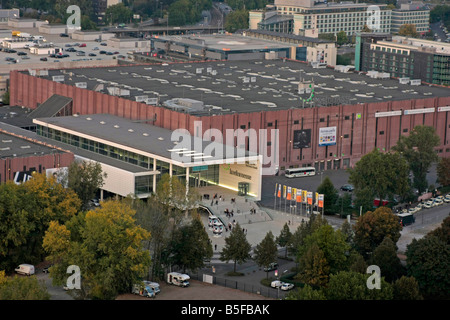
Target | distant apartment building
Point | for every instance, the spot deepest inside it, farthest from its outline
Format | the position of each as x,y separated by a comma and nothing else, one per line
100,7
415,13
6,14
403,57
311,17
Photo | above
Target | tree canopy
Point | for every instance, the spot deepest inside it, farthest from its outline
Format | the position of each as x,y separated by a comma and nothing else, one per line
236,248
380,175
418,150
109,251
373,226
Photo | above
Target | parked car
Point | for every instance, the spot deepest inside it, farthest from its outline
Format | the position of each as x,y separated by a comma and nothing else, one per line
272,266
25,57
102,52
46,269
438,202
286,286
94,202
109,53
64,35
82,45
21,53
276,284
347,187
43,59
95,48
92,54
447,198
103,44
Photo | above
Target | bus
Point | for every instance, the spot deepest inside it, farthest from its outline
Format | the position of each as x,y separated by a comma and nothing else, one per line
300,172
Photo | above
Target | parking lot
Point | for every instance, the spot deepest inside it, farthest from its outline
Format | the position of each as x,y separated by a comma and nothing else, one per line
91,47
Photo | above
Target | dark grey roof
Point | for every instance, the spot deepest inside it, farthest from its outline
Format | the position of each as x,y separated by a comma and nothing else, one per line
13,146
276,85
145,138
77,151
50,107
289,36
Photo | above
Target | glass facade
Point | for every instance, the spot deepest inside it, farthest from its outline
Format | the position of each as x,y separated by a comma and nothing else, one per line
97,147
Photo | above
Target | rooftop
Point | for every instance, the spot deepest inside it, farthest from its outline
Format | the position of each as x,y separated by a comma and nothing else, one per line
224,42
148,139
241,86
15,146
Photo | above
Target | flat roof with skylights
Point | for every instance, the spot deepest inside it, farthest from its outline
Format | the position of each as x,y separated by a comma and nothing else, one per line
241,86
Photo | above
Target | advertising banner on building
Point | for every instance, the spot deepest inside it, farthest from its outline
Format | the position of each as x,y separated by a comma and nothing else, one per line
289,193
327,136
284,192
279,191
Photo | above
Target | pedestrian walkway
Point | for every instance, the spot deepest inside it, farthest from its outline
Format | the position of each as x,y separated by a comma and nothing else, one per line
256,221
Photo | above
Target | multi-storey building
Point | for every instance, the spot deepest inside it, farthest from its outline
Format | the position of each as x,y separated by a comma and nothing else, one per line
309,17
411,13
404,57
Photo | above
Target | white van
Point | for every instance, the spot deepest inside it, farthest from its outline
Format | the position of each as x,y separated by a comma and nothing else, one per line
25,269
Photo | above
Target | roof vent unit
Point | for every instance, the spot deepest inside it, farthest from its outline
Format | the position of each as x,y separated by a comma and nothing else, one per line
415,82
344,69
271,55
305,87
58,78
140,98
403,80
82,85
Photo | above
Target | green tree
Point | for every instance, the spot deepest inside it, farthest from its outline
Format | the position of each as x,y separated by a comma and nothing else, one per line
344,205
110,254
305,293
313,266
333,245
85,178
385,256
347,285
23,288
284,238
5,99
384,174
408,30
418,150
266,251
341,38
237,248
428,261
406,288
118,13
151,216
191,246
330,195
357,262
372,227
443,171
237,20
27,212
304,230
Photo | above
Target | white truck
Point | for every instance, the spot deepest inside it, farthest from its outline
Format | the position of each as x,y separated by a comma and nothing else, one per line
25,269
143,290
178,279
24,35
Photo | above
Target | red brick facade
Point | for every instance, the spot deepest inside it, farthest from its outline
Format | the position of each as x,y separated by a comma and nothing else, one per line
360,130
